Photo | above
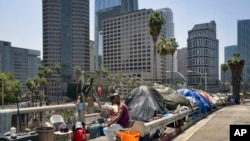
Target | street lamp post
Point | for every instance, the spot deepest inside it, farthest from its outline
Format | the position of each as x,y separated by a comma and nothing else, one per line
2,94
202,75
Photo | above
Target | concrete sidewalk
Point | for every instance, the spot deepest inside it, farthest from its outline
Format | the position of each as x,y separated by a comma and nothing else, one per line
216,126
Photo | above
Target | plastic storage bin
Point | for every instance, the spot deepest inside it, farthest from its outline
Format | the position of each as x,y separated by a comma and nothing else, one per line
94,130
128,135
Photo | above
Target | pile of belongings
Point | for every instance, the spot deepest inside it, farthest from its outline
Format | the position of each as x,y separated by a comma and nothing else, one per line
144,103
172,99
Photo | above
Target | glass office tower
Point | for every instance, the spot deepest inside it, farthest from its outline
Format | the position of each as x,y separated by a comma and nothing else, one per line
244,47
65,41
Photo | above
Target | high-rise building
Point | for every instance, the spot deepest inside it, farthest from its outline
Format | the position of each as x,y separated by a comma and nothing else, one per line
203,57
182,61
243,42
65,41
169,23
22,62
128,46
228,53
91,55
103,10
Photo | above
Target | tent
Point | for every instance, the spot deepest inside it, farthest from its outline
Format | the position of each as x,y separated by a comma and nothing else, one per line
171,97
201,101
144,103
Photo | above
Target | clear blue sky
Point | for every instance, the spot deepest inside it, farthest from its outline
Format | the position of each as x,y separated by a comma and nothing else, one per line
21,20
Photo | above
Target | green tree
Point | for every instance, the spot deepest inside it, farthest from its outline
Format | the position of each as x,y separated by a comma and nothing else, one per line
58,70
32,87
171,50
78,72
155,23
37,84
167,47
10,88
224,68
44,73
162,50
236,66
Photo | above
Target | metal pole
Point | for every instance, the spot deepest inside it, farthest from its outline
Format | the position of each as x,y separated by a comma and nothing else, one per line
205,80
2,95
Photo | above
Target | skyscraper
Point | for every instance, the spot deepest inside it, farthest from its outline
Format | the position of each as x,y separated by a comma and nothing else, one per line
103,10
22,62
203,57
244,47
65,40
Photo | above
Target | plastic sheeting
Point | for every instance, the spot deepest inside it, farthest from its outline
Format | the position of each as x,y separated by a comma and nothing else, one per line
171,97
5,121
201,101
144,103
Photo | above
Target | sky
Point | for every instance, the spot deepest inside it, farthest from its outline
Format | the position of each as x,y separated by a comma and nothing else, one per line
21,20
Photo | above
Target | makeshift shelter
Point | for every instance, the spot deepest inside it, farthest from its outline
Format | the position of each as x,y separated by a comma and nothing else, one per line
171,97
144,103
200,101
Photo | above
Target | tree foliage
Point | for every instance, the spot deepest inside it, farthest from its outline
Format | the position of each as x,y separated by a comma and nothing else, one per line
236,66
167,47
155,22
10,88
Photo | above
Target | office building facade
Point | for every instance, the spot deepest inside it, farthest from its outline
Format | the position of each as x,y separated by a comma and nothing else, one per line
128,46
203,57
91,55
243,42
182,61
22,62
103,10
65,41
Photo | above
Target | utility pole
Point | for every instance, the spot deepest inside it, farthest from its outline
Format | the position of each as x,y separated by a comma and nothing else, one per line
2,95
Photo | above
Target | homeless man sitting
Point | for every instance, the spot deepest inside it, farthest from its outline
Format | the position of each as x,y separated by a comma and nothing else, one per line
120,121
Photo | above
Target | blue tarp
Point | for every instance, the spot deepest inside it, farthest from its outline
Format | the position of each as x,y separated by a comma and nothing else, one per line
201,101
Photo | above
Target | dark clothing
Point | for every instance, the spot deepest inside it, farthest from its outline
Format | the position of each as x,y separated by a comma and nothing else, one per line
123,121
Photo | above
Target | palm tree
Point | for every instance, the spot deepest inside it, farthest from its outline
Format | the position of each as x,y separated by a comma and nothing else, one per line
44,73
155,23
171,50
236,66
58,69
47,73
224,68
32,87
162,50
167,47
78,72
37,84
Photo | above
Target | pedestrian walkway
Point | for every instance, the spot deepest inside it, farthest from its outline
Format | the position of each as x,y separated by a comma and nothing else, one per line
216,126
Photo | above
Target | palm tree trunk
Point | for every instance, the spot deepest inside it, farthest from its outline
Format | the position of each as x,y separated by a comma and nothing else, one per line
224,81
236,86
172,78
155,65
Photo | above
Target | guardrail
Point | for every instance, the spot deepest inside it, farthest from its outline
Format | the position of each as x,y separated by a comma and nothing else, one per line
40,109
151,127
